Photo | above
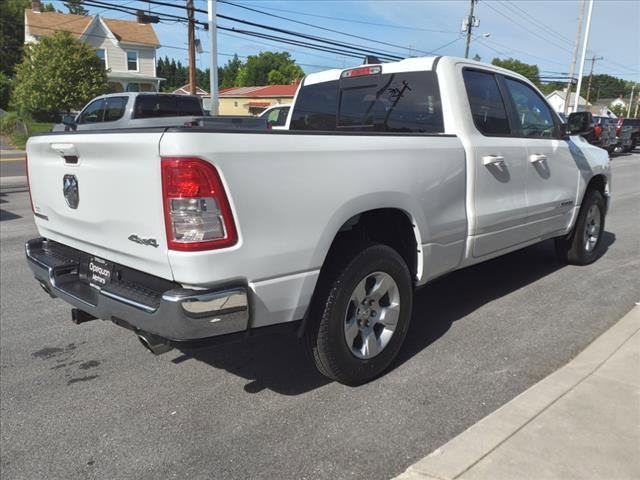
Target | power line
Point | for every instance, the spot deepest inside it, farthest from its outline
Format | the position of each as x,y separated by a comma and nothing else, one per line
293,42
351,47
486,42
271,44
362,48
527,16
319,27
511,19
351,20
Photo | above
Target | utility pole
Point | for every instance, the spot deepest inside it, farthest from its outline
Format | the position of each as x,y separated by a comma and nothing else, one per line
631,100
192,48
213,46
593,61
470,23
582,57
567,98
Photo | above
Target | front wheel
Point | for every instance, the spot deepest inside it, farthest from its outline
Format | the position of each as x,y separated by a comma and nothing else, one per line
584,244
360,314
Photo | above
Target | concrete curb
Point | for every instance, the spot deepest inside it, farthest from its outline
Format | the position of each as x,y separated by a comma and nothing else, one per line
467,449
13,182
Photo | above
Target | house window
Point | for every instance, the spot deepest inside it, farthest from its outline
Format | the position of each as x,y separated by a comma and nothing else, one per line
235,104
132,60
102,55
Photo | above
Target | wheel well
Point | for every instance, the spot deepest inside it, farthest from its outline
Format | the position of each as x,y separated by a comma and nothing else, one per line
388,226
599,183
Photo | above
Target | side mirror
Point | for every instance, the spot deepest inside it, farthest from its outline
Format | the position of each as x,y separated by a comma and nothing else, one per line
69,121
579,123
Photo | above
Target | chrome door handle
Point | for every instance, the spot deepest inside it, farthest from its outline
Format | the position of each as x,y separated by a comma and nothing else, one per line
492,159
537,158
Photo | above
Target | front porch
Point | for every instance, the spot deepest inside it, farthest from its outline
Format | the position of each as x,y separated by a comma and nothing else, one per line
131,82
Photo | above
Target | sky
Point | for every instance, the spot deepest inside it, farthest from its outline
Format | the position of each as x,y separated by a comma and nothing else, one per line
533,31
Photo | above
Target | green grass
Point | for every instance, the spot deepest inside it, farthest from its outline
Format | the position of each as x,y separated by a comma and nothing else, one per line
19,139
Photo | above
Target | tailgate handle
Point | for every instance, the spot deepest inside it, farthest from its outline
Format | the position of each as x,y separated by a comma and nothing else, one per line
67,151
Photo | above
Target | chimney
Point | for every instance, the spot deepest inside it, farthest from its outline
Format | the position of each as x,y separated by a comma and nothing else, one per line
35,6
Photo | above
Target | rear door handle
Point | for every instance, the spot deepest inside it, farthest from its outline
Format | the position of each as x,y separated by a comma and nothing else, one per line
68,151
492,160
537,158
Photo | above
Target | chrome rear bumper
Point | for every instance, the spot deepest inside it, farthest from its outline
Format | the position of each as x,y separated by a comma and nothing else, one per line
138,300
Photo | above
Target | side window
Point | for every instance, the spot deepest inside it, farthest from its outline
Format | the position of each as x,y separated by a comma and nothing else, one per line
315,107
535,118
114,109
487,105
93,113
272,118
188,106
282,117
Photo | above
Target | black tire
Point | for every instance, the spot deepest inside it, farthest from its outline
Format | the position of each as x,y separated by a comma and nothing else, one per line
572,248
325,336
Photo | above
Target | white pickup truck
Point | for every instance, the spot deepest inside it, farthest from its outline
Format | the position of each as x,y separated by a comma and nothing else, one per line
387,177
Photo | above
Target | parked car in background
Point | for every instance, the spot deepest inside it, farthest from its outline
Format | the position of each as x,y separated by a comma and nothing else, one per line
388,177
276,116
633,128
603,133
135,109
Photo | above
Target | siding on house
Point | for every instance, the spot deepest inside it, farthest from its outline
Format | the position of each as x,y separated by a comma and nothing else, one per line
115,37
97,38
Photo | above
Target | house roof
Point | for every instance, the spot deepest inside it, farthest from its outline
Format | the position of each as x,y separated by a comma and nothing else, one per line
562,94
260,92
45,23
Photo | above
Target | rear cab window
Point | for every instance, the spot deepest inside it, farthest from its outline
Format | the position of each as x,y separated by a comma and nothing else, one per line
114,108
153,106
403,102
487,105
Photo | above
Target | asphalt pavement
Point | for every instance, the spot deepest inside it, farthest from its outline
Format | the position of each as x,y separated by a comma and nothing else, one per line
89,402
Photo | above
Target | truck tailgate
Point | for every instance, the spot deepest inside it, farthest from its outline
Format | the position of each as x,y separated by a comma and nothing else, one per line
119,213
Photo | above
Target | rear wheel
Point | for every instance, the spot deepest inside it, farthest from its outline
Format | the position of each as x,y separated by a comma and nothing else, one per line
584,244
361,314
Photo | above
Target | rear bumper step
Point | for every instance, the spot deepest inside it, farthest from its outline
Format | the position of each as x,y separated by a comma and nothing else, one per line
144,302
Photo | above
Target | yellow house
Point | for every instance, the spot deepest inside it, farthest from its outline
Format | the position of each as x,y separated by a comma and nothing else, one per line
254,100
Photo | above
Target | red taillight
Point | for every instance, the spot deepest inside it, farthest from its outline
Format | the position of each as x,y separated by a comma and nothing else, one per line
26,168
197,214
597,130
360,71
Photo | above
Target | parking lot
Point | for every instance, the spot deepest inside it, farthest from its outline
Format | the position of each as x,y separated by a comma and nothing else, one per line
89,402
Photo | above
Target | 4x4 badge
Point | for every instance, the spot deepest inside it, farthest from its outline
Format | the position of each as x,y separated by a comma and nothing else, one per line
144,241
70,190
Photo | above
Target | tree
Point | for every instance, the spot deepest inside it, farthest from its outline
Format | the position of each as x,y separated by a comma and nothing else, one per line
227,74
610,87
268,68
12,32
59,73
526,70
75,7
5,91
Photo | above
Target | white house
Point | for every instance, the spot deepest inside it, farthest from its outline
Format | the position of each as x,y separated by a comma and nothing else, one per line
128,49
557,98
618,102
